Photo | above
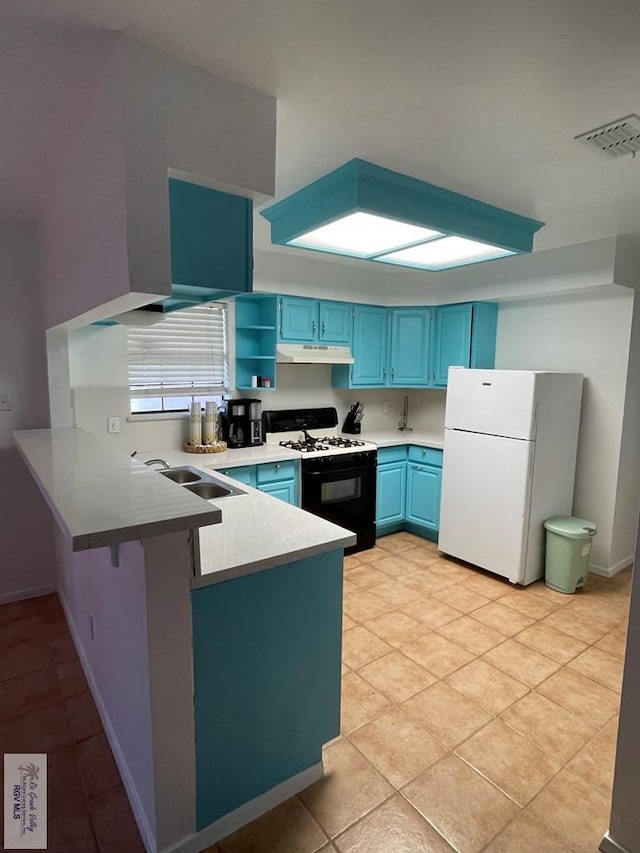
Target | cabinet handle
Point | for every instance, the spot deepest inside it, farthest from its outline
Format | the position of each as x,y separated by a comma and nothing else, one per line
384,374
416,467
277,466
313,328
324,328
424,450
392,374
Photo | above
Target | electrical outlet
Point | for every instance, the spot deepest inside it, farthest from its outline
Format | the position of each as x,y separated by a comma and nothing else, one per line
5,401
113,425
386,407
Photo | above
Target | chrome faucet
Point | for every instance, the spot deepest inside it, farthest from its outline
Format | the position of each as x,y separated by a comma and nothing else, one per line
163,465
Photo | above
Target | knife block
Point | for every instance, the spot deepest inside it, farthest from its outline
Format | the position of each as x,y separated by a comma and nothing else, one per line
350,426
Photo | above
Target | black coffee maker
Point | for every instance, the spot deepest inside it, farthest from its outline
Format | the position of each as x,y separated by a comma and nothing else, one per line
243,422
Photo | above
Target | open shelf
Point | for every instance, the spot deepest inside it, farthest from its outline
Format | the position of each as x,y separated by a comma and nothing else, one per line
255,339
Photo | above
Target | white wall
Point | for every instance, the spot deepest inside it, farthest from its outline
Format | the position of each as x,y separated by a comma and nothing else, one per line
84,227
105,228
589,334
27,565
132,627
99,389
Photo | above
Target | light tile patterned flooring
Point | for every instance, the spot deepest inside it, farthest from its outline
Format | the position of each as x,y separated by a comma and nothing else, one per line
476,716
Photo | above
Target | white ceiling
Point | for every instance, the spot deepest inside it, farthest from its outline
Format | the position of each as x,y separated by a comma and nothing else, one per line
480,97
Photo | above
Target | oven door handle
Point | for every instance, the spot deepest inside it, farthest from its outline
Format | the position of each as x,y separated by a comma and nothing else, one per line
362,470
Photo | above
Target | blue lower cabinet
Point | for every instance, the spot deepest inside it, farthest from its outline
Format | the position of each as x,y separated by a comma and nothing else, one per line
243,474
391,488
408,490
266,657
284,491
423,495
279,479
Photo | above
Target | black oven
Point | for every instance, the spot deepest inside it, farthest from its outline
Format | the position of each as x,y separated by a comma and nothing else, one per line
342,489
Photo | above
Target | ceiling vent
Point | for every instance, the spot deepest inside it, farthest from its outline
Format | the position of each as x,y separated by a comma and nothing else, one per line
615,139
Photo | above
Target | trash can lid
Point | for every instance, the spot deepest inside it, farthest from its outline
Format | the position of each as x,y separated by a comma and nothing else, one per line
574,528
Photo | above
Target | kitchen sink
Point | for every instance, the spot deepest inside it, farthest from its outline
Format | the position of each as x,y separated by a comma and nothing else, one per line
210,490
200,483
182,475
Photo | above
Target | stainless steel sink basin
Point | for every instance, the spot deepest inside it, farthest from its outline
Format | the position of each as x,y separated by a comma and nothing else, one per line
210,490
200,483
182,475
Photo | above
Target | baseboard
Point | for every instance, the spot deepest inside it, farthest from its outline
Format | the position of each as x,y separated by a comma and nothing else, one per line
148,837
29,592
248,812
608,845
417,530
610,571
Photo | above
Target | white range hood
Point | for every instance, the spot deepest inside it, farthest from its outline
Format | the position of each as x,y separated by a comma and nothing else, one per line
312,354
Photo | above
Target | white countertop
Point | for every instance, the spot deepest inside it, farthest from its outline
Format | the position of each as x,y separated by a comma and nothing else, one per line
259,532
101,496
393,438
227,459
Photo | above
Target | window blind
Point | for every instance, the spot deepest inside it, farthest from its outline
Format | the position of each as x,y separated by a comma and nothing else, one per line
185,351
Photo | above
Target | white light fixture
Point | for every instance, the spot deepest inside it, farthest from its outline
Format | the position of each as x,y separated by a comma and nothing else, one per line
371,213
444,253
363,235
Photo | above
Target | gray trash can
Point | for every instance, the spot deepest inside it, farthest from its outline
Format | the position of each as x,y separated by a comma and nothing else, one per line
568,550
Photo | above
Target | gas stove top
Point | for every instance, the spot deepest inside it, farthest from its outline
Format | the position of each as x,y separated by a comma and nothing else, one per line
325,444
312,432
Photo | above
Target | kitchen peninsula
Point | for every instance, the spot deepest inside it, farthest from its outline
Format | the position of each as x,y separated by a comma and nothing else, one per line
217,686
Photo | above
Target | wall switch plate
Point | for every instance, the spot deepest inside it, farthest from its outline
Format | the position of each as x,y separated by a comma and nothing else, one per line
5,401
113,425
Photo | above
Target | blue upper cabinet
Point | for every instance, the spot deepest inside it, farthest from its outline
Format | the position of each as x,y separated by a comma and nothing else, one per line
334,323
313,321
410,347
368,348
298,319
211,244
465,335
452,340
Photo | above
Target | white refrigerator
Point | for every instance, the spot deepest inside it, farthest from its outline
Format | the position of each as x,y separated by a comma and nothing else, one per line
510,444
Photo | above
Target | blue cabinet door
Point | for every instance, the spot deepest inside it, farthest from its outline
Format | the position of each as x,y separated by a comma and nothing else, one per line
410,346
391,488
298,319
211,235
483,335
423,495
243,474
369,346
452,340
285,491
334,325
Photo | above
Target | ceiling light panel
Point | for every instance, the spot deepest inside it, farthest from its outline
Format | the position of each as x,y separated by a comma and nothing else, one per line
365,211
445,253
363,235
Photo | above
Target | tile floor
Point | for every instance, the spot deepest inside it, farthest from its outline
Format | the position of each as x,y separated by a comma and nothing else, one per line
45,706
475,717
